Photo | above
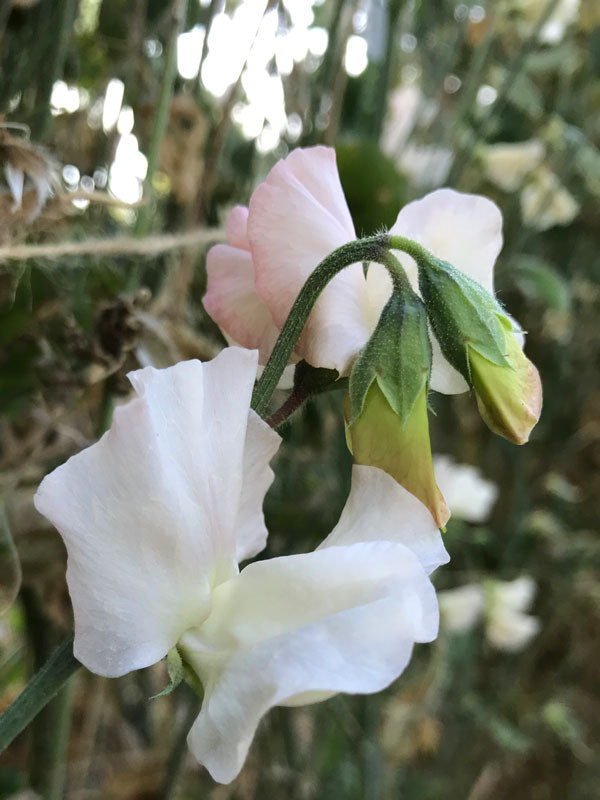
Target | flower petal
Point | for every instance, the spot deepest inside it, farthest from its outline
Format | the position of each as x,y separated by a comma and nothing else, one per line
149,513
299,215
464,229
378,508
232,301
261,445
299,629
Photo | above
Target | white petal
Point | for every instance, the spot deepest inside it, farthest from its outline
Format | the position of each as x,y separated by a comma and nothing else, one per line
379,509
463,229
298,215
510,630
299,629
516,595
149,513
261,445
468,495
462,607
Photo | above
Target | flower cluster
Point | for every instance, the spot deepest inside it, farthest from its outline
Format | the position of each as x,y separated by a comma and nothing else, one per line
158,514
296,217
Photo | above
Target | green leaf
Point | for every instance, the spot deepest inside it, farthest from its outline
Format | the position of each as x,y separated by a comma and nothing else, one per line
539,281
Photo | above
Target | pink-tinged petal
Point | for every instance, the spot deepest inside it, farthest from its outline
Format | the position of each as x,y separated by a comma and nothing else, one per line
378,508
231,300
296,630
463,229
236,228
149,513
261,445
299,215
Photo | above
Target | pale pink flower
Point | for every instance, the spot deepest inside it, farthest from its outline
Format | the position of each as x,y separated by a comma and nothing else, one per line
299,215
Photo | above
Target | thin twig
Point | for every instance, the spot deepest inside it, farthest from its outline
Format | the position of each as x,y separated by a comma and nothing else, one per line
117,246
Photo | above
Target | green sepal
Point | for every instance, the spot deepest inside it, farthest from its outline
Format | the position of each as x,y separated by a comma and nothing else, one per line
463,315
397,356
175,668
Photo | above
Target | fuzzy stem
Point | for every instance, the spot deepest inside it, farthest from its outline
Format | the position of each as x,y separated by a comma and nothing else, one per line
372,248
369,249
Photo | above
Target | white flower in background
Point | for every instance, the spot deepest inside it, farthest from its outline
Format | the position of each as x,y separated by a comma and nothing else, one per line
501,604
427,166
508,627
461,608
407,106
468,495
508,164
545,202
156,517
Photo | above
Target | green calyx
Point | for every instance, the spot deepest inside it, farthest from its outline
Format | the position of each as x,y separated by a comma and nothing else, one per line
463,315
397,356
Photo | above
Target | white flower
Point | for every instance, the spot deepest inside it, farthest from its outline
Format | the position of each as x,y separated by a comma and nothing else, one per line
502,605
468,495
508,164
426,166
156,517
545,202
407,106
508,626
461,608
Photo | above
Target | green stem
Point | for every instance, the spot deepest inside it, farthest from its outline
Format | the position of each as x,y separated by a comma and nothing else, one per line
161,119
372,248
369,249
62,732
39,691
176,756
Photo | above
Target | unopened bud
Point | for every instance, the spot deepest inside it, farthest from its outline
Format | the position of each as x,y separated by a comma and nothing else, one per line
479,340
386,406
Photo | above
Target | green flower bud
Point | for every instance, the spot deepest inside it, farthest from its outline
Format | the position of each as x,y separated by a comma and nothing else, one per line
386,405
479,340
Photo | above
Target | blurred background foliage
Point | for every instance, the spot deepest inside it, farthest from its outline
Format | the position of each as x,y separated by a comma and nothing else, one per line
125,119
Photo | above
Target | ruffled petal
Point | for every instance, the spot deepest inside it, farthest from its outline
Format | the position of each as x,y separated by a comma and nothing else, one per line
463,229
299,215
378,508
299,629
149,513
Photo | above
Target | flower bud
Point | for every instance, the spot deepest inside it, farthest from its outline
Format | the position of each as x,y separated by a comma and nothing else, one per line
479,339
386,405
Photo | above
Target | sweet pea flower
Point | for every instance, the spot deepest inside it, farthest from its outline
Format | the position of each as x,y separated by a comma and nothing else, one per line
299,215
468,494
501,604
156,517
